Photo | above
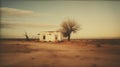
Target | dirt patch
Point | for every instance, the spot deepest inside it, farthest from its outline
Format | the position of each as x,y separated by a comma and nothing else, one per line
76,53
16,48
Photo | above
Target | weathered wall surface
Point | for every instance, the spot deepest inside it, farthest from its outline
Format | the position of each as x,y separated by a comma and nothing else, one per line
51,36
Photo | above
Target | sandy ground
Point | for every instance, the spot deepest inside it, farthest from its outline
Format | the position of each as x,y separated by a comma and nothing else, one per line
64,54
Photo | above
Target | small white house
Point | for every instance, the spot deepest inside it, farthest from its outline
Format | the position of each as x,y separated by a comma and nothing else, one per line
50,36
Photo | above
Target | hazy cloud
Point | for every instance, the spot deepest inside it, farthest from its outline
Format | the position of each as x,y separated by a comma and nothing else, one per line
6,26
26,25
16,12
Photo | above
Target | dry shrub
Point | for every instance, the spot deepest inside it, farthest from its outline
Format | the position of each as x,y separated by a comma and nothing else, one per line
98,45
94,65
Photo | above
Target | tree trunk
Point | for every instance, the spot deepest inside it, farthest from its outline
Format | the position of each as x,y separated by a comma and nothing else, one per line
27,37
69,36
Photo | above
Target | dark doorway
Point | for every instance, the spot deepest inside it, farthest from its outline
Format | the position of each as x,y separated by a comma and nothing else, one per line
56,37
44,37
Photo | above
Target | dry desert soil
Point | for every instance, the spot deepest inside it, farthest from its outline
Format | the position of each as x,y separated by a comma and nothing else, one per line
76,53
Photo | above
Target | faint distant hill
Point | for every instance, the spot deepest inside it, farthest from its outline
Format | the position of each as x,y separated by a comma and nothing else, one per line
16,39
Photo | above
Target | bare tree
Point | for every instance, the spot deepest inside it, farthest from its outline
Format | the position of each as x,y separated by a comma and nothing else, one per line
69,26
26,35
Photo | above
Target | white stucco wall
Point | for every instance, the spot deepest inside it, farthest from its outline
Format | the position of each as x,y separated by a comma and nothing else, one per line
51,36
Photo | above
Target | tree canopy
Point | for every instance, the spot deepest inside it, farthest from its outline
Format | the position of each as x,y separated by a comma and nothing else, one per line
69,26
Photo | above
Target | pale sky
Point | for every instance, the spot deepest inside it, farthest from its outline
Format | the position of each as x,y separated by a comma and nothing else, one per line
98,19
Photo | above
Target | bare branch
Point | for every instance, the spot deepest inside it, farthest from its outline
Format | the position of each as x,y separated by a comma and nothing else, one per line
69,26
